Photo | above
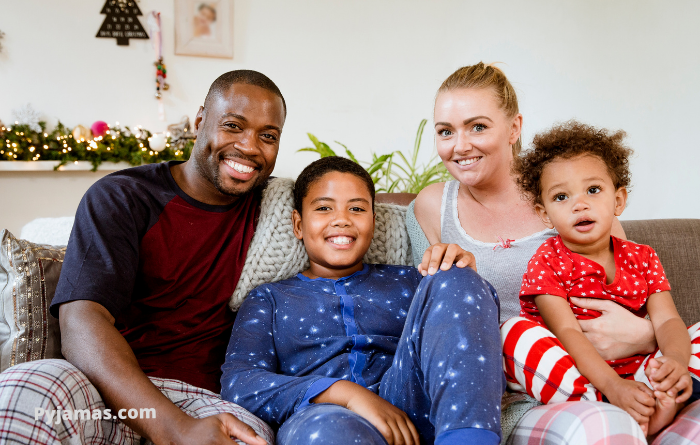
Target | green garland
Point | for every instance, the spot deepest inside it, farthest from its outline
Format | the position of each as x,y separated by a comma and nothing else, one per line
21,143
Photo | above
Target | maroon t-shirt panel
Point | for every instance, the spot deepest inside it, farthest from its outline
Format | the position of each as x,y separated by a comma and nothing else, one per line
179,323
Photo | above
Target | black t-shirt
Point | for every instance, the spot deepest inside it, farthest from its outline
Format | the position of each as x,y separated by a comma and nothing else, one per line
164,265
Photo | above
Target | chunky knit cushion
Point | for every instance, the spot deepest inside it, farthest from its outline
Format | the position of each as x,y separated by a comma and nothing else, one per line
276,254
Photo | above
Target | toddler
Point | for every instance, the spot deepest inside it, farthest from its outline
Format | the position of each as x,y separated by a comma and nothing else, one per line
577,177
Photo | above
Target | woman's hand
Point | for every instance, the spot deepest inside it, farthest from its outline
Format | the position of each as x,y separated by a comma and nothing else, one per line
444,255
617,333
391,422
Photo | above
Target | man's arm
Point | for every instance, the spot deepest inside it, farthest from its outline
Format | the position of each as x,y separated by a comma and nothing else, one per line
90,341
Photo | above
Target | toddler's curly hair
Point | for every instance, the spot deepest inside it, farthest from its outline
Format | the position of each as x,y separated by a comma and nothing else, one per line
565,141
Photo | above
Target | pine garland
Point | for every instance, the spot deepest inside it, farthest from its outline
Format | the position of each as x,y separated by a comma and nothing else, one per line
21,143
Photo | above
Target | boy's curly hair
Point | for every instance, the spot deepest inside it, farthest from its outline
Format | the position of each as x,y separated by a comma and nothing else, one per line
565,141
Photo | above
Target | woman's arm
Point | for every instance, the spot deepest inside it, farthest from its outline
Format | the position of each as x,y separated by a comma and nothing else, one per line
617,333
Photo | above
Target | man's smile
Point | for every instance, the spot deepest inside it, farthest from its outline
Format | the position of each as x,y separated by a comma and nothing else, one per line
241,168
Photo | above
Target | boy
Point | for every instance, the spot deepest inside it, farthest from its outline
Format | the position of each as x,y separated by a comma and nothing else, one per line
347,352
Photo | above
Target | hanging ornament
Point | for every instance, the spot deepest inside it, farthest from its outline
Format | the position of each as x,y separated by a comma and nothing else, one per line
81,134
99,129
157,142
26,115
122,21
161,72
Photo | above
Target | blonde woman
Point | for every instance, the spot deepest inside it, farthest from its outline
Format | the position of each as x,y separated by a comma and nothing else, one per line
477,133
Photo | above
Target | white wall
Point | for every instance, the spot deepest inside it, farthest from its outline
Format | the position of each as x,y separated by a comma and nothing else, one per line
365,72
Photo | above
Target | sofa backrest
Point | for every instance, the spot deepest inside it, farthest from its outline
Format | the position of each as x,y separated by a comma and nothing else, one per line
677,242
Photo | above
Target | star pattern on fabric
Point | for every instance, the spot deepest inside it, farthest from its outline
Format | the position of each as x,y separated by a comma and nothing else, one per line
638,274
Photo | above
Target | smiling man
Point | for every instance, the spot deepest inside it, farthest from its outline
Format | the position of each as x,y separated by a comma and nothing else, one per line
154,256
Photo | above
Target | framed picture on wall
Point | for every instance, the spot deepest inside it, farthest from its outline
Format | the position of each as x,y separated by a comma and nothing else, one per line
204,28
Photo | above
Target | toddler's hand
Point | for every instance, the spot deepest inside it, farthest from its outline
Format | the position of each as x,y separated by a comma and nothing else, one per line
668,375
391,422
635,398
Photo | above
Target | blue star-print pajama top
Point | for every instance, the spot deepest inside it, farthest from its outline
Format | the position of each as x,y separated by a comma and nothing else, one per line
430,346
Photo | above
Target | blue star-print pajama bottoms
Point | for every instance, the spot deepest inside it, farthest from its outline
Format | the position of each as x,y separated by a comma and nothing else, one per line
447,373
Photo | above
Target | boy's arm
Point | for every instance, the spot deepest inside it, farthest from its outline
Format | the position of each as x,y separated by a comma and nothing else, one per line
633,397
391,422
674,343
251,375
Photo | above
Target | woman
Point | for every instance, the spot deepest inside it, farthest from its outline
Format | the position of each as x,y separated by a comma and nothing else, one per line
477,126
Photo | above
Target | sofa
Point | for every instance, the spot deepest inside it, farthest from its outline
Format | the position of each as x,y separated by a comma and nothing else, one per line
29,271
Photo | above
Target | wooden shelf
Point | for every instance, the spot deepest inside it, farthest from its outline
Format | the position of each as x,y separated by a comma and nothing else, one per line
40,166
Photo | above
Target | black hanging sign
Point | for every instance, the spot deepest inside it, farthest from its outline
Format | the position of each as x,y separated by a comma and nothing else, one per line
121,22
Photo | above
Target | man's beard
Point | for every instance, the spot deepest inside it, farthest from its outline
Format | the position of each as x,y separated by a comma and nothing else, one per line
213,175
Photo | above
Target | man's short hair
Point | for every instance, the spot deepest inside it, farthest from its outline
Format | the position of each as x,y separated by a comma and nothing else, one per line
248,77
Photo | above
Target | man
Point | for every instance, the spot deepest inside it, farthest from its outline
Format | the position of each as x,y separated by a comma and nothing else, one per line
155,253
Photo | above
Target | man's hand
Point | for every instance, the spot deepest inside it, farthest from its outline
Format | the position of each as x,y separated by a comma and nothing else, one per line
617,333
220,429
633,397
444,255
670,376
393,423
90,341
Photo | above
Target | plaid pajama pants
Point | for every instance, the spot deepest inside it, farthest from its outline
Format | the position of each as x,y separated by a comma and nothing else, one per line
598,423
52,385
536,363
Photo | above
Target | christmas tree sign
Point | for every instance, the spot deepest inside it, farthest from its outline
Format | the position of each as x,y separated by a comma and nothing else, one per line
122,21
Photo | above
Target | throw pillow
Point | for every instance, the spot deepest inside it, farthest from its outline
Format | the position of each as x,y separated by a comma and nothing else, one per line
28,278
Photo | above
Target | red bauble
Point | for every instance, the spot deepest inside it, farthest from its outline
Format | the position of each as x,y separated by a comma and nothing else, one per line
99,128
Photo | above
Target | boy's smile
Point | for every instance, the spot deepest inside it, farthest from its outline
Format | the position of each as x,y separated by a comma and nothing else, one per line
580,201
336,225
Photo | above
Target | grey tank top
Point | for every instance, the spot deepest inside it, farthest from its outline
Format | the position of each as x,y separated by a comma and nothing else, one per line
502,267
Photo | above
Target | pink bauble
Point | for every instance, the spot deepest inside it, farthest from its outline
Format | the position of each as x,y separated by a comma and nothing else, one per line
99,128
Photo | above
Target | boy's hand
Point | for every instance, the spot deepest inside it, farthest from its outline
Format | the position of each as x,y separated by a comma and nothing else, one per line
634,397
391,422
444,255
668,375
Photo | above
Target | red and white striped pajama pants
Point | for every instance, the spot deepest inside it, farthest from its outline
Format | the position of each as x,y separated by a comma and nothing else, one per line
536,363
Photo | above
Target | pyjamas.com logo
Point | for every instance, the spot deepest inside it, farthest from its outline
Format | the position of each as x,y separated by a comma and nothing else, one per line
56,415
